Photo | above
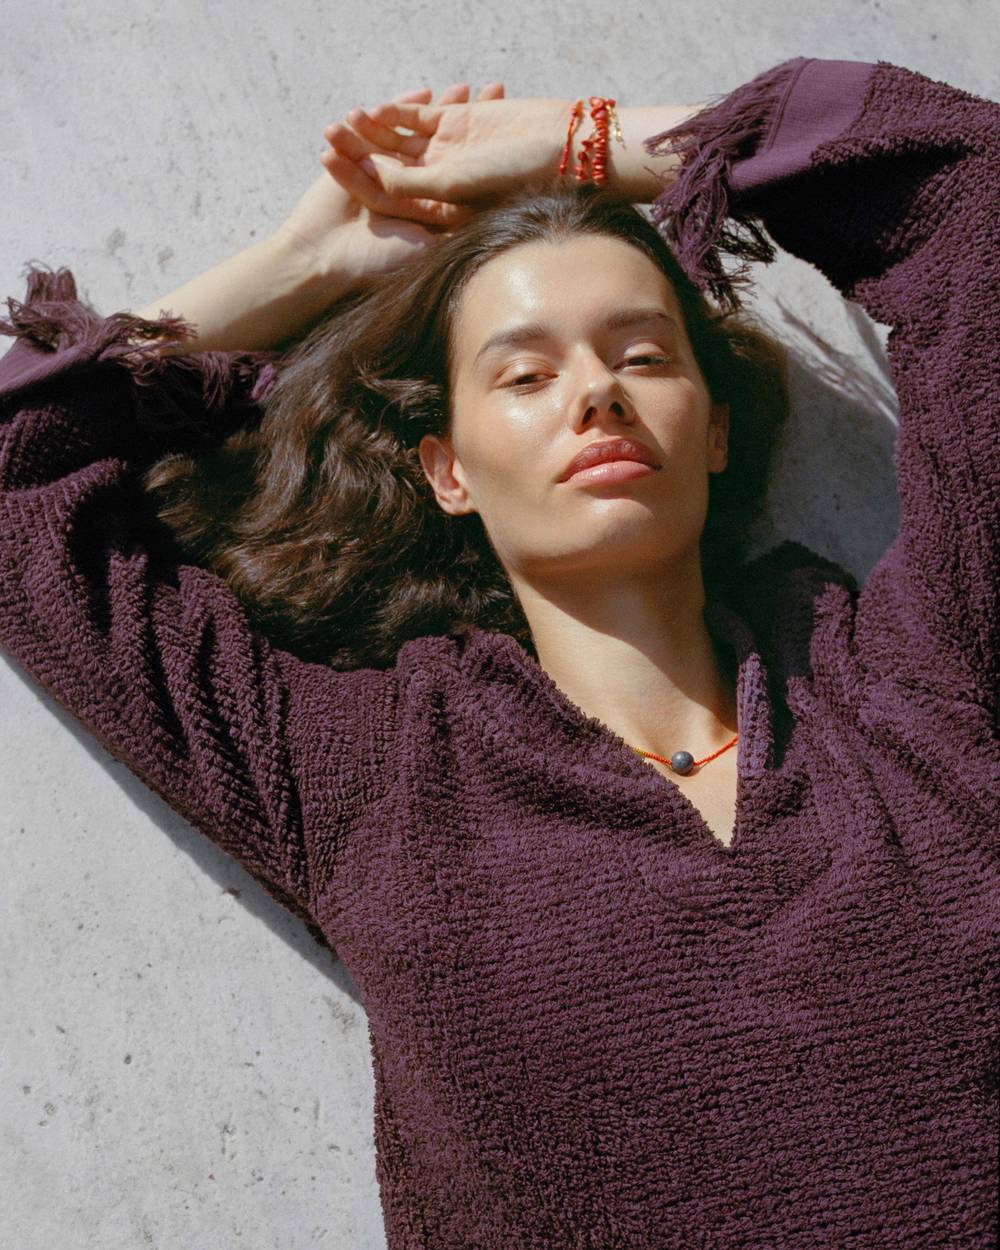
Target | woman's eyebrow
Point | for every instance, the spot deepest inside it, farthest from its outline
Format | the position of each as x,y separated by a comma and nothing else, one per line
531,332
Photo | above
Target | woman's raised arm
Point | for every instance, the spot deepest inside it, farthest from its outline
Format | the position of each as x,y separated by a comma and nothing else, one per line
278,287
157,657
252,301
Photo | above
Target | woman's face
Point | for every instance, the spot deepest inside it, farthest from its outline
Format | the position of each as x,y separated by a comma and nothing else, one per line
525,402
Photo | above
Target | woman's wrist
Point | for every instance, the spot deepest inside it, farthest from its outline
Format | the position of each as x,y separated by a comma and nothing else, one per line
630,168
255,299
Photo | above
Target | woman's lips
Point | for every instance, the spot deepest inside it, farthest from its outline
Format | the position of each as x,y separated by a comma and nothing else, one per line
611,471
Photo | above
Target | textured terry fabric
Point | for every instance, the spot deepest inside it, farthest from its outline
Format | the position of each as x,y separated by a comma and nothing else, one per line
593,1025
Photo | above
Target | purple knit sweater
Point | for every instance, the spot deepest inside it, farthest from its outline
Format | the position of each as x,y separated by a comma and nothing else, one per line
593,1025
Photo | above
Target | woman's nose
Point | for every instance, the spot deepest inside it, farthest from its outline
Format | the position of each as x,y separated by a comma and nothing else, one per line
597,392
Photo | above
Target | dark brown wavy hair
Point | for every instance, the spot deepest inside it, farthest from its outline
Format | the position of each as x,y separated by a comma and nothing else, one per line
319,515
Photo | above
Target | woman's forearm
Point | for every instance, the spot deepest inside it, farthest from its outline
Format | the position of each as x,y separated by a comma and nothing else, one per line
631,167
251,301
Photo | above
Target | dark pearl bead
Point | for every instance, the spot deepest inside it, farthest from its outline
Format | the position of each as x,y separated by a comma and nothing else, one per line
682,761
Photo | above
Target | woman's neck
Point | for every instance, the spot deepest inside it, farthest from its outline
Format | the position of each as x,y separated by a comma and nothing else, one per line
642,661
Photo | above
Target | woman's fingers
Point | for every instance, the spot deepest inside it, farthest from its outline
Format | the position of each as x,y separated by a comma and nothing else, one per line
387,139
380,167
379,126
420,118
457,93
381,199
383,137
349,175
357,140
403,184
345,142
346,139
405,111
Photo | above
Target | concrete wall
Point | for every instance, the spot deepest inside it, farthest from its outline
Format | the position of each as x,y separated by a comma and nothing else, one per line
181,1067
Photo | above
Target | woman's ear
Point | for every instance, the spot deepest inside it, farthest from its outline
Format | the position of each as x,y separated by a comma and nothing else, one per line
437,458
718,438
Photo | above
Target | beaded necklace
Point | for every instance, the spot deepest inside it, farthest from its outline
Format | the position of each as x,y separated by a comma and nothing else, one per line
683,761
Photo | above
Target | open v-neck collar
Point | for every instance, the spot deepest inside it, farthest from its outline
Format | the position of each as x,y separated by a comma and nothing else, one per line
538,743
547,745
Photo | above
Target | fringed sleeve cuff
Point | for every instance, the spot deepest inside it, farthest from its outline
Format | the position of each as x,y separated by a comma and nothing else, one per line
57,333
731,148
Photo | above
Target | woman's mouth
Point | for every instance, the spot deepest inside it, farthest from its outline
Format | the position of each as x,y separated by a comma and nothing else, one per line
611,471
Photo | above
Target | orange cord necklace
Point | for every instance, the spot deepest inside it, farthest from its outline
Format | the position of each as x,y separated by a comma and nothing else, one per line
683,761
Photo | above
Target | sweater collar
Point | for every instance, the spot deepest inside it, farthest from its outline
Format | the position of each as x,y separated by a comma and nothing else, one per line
528,726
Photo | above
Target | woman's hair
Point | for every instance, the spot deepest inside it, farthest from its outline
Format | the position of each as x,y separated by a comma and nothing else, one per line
319,516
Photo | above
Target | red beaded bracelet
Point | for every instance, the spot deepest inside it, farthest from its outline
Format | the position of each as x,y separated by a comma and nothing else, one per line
593,160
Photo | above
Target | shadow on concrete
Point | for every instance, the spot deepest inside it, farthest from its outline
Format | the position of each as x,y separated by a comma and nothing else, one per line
227,872
835,483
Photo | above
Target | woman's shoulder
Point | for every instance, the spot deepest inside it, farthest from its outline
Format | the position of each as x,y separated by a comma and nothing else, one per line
796,602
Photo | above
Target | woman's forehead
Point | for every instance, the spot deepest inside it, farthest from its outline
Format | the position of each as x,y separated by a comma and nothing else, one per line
574,281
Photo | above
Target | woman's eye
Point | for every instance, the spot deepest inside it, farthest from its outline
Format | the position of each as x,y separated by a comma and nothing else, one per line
525,378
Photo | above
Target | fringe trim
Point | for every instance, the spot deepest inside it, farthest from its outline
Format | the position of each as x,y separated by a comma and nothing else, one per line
691,211
168,385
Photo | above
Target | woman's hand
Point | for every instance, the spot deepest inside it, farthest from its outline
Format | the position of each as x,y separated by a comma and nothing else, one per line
346,238
458,158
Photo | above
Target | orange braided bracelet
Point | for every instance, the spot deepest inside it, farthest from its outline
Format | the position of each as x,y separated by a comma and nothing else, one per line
593,160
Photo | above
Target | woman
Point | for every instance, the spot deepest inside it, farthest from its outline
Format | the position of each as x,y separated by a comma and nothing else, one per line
611,1004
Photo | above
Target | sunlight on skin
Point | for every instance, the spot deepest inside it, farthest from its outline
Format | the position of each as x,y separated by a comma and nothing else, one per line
608,576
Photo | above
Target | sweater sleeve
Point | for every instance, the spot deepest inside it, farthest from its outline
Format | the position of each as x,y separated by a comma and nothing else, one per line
889,183
156,657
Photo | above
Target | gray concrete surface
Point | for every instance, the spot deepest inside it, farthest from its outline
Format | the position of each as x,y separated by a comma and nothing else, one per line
181,1067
